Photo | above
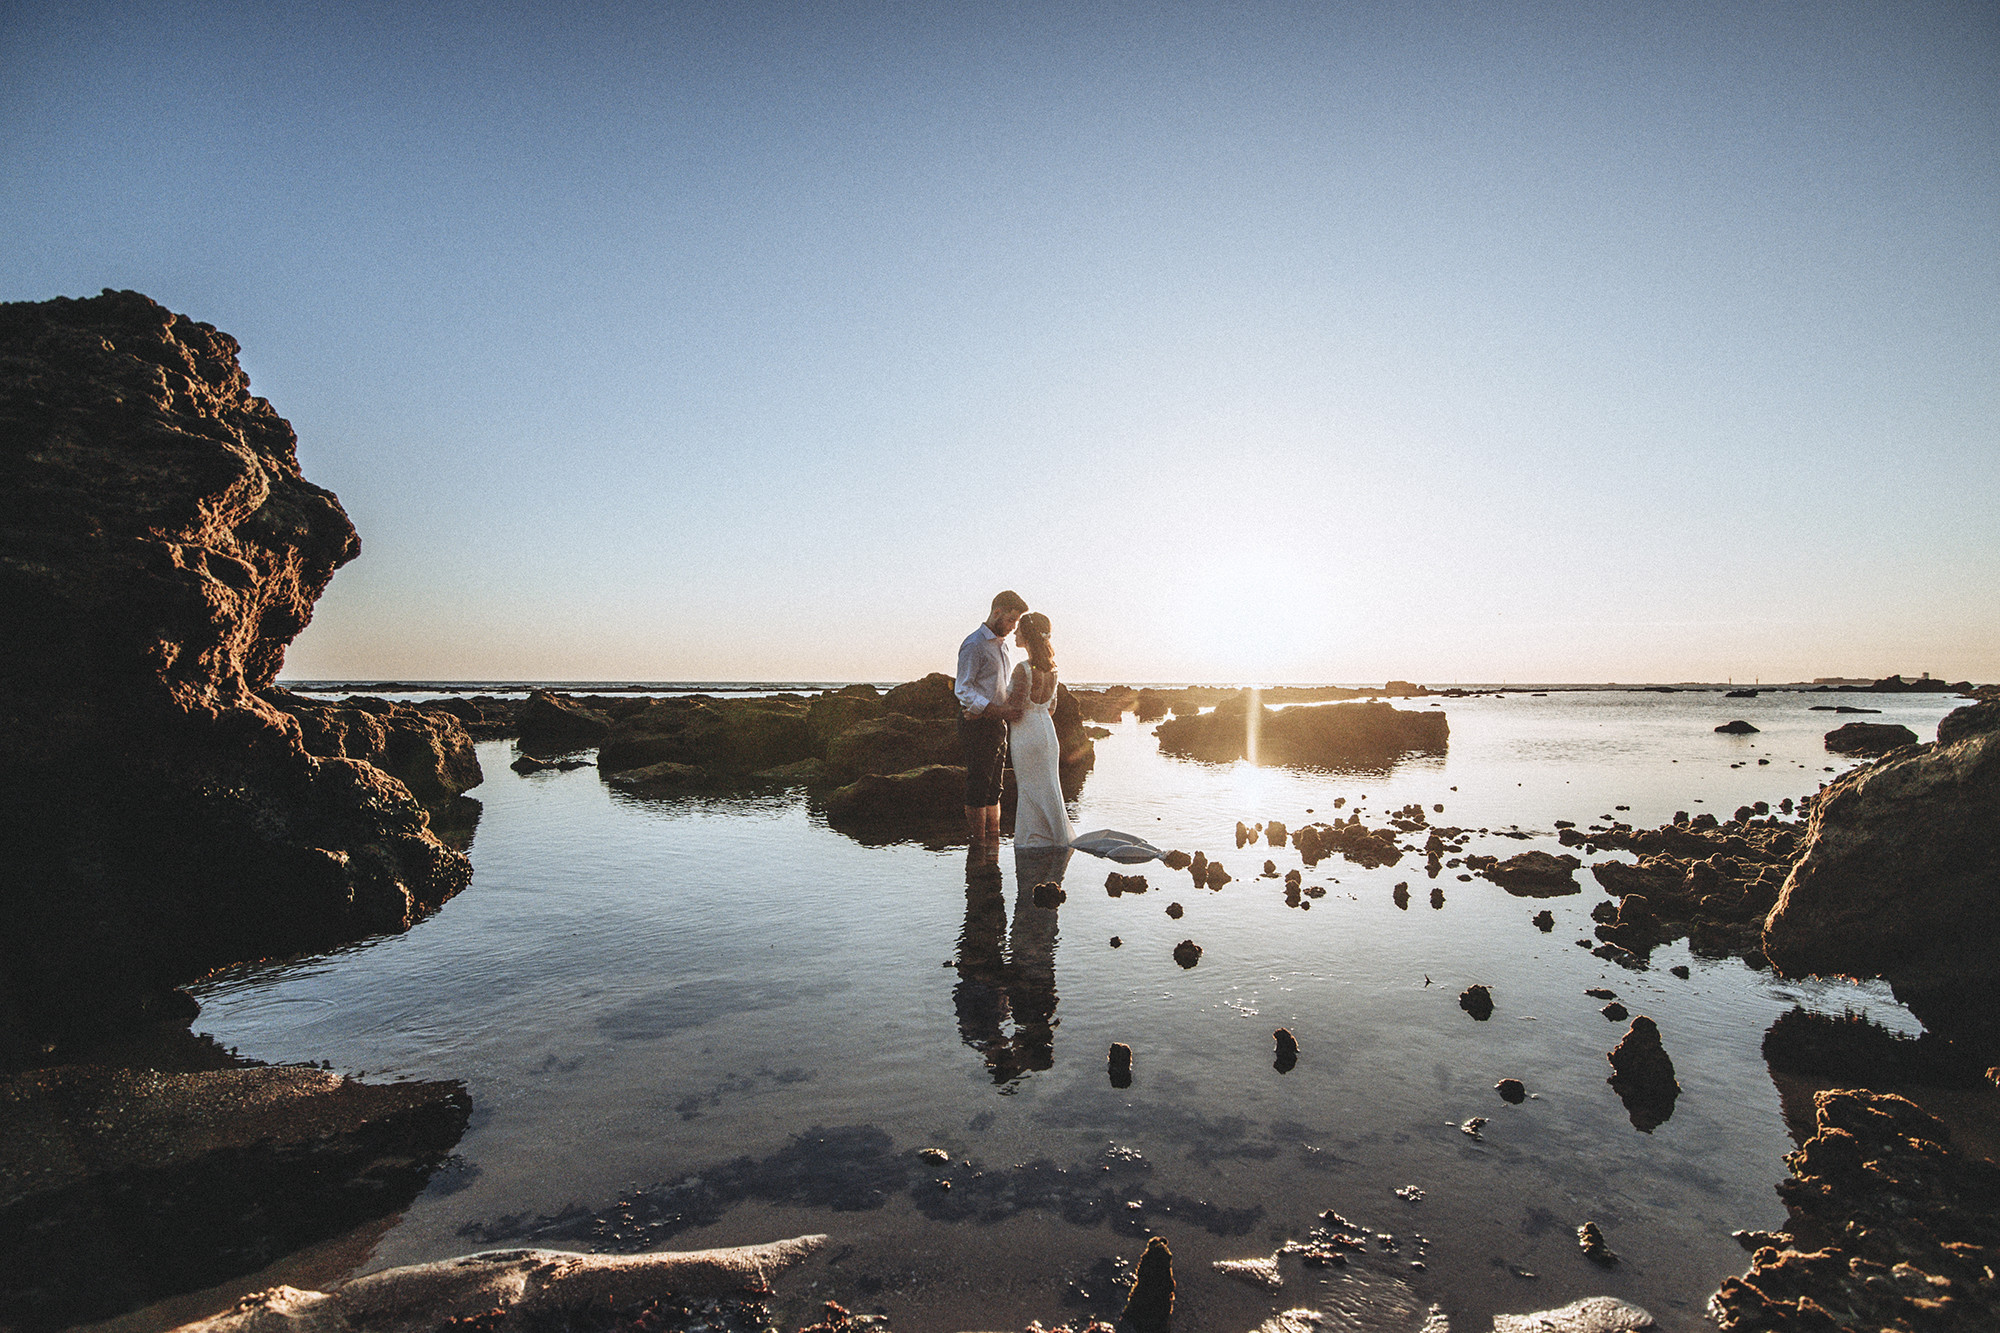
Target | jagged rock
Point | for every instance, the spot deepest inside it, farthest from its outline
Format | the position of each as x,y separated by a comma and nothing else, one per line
1118,1064
429,753
727,738
1187,953
932,795
1149,1306
892,743
1049,896
1116,884
1477,1001
1737,728
931,696
1591,1241
832,713
515,1291
1366,847
165,819
1511,1090
1900,875
1643,1075
119,1187
1175,910
552,722
1531,874
1545,921
1318,735
1910,1221
1215,876
1275,833
660,777
1869,738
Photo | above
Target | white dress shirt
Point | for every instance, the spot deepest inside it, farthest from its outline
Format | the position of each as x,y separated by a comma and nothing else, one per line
982,670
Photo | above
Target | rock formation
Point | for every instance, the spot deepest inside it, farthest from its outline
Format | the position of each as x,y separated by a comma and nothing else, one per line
119,1187
1324,736
1643,1075
1869,738
159,550
511,1290
1910,1227
1531,874
1899,875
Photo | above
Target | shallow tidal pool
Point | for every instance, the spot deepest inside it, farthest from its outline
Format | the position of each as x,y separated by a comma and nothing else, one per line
695,1022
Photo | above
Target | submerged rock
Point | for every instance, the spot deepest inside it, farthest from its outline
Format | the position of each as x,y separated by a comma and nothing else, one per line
1869,738
1591,1241
166,818
1643,1075
1149,1307
1531,874
1321,735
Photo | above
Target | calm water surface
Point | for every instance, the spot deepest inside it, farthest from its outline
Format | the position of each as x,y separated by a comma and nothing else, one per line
640,993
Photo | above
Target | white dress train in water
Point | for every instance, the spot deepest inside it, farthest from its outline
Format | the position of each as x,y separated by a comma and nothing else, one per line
1040,818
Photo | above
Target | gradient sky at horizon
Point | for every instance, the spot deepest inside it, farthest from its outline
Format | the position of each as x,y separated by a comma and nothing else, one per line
1250,341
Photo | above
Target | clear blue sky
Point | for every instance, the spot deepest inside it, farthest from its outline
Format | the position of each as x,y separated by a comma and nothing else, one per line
1266,340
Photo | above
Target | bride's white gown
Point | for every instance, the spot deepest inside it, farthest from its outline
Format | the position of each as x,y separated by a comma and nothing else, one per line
1039,817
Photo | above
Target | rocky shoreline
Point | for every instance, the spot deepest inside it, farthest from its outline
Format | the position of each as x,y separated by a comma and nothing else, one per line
178,811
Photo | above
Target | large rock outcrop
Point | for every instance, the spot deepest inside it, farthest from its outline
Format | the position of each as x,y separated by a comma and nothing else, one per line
159,550
1900,872
1330,736
121,1186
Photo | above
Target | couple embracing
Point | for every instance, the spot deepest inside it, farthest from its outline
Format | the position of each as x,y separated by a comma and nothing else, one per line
1009,707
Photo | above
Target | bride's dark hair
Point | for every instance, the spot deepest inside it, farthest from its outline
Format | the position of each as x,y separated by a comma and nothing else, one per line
1034,629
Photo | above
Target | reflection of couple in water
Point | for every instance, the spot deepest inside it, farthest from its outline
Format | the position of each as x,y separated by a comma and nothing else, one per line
1005,976
1010,709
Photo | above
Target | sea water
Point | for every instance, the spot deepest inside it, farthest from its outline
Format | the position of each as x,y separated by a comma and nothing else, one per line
706,1021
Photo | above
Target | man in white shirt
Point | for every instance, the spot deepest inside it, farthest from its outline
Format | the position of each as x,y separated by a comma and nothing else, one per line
981,688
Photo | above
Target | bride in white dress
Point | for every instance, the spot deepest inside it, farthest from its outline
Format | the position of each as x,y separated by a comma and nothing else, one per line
1040,819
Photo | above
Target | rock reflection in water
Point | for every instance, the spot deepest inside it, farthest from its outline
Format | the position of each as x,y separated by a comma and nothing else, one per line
1008,976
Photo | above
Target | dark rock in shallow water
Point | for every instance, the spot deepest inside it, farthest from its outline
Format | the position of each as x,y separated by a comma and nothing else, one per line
931,696
1531,874
1737,728
1591,1241
1545,921
726,738
1149,1308
892,743
1869,738
1048,897
924,796
1897,877
831,714
1287,1050
1477,1001
1643,1075
1511,1090
1910,1223
119,1187
552,723
1323,735
1119,1065
1187,953
165,818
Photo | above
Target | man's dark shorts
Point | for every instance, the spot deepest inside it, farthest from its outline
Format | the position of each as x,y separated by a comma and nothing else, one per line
984,740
